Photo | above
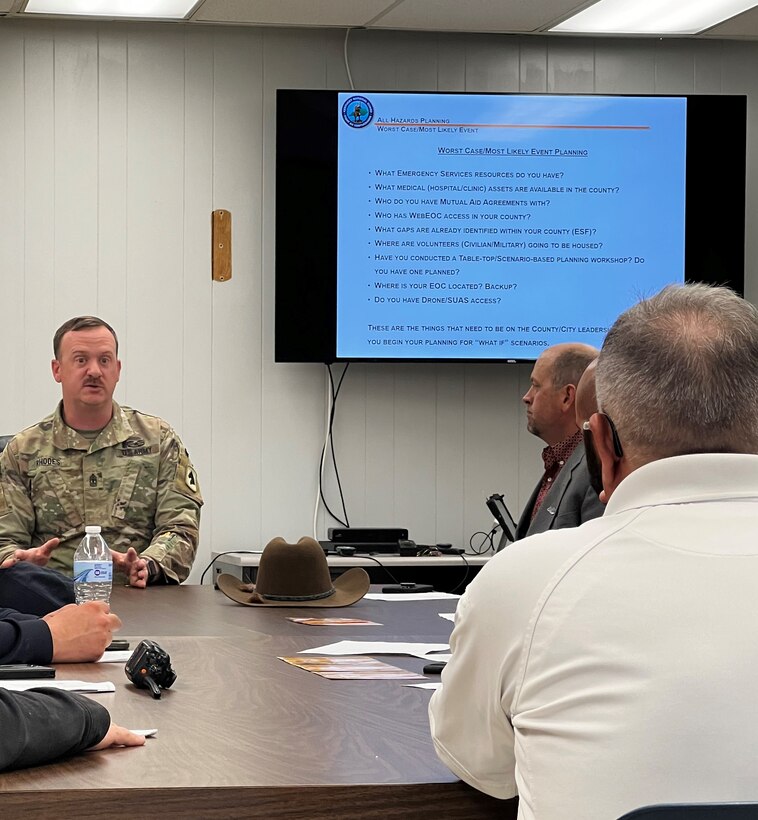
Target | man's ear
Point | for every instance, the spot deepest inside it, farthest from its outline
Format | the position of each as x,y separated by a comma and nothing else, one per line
56,367
568,397
609,462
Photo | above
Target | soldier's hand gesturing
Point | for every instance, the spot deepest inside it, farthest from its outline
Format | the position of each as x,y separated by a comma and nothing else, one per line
134,567
35,555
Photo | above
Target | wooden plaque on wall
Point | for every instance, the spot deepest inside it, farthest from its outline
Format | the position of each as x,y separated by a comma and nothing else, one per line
221,245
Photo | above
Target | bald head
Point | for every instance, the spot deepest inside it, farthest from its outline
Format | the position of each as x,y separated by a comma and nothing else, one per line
585,403
679,374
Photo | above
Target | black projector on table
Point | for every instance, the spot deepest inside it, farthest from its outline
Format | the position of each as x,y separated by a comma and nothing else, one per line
368,539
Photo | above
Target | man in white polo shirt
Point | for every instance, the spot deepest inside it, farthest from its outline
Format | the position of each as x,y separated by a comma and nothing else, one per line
598,669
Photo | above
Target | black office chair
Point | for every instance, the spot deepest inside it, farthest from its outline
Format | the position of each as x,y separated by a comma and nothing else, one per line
3,441
695,811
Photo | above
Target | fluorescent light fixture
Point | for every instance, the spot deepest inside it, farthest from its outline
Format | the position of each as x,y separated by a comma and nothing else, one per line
653,16
159,9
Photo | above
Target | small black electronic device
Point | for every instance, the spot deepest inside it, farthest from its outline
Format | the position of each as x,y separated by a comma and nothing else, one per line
448,549
501,514
20,671
117,645
434,668
366,535
408,586
407,548
150,667
345,551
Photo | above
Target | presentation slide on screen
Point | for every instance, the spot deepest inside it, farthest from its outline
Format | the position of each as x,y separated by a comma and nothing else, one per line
479,226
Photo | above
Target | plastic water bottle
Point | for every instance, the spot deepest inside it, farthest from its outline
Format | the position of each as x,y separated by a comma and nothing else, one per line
93,568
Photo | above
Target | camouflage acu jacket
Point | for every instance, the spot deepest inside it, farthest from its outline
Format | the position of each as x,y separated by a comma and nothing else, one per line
135,480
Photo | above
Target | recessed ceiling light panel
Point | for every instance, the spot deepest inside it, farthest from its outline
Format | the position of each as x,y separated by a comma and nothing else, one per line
652,16
159,9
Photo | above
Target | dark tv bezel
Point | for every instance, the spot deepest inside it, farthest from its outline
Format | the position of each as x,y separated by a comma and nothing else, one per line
306,213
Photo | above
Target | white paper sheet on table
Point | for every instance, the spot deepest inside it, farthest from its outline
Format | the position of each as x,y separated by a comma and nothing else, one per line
418,650
409,596
115,656
65,685
434,656
448,616
435,685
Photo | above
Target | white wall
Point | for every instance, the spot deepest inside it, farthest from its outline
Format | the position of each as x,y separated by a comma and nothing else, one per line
118,140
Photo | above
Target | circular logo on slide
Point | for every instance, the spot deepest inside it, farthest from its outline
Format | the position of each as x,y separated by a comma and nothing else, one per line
357,112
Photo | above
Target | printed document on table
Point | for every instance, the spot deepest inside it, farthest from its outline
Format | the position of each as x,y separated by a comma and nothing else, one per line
351,667
437,656
89,687
115,656
409,596
376,648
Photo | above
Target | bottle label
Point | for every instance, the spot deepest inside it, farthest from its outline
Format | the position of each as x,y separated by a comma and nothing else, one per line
93,572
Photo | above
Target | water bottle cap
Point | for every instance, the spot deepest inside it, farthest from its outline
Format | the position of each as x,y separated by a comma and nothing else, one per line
92,530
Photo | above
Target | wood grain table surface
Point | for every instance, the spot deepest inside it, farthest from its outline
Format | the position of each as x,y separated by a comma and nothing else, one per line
243,734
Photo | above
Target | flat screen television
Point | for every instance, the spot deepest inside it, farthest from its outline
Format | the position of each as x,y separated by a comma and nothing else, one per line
486,227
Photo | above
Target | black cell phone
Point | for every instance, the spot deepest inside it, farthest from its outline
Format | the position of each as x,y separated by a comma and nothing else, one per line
434,668
117,644
408,586
17,671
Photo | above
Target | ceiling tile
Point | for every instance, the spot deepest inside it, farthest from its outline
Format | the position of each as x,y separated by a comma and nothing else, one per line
743,25
482,16
478,15
341,13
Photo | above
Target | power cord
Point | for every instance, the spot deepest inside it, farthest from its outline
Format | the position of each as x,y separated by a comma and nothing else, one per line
487,539
228,552
347,62
429,551
376,561
465,576
335,393
329,443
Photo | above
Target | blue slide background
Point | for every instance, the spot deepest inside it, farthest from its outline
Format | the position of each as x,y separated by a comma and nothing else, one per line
623,196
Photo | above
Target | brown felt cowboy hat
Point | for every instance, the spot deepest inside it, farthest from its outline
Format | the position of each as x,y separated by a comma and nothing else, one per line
296,575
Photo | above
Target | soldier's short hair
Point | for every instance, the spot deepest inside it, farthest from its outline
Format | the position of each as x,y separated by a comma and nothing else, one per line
80,323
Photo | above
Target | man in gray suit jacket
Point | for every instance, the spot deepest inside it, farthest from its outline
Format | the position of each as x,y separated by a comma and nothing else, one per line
564,496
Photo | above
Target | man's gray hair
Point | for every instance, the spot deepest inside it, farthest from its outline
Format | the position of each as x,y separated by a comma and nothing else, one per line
678,373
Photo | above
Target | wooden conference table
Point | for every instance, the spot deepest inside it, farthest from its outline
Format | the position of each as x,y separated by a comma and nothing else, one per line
243,734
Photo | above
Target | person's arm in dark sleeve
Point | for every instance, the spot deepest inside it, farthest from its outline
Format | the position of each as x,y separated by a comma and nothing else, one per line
24,639
44,724
592,506
15,615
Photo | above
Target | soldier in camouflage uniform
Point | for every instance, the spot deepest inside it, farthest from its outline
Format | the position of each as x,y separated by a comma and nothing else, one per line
94,462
